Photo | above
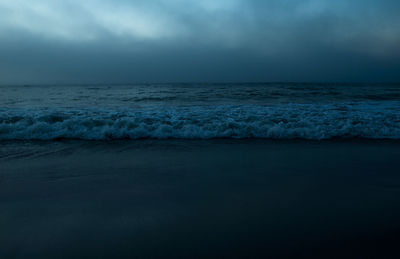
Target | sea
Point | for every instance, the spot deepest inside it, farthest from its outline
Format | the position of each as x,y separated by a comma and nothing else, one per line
313,111
250,170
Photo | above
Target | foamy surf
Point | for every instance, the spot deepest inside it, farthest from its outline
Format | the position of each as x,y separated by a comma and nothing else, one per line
370,120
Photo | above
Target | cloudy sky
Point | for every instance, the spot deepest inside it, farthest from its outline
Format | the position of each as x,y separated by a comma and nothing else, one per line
129,41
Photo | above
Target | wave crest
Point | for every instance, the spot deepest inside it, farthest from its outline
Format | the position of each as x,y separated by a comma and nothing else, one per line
289,121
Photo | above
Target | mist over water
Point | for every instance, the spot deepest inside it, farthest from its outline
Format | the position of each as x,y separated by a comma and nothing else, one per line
200,111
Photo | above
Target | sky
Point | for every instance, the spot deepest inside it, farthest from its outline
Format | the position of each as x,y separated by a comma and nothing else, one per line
137,41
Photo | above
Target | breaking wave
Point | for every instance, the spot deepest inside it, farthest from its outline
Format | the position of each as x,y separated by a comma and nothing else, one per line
374,120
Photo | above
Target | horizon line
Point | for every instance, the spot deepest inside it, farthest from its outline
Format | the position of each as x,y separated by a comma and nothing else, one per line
202,82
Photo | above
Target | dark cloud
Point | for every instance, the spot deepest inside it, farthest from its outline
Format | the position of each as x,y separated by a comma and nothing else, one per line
99,41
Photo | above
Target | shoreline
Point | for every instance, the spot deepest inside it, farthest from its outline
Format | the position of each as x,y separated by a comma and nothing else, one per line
190,198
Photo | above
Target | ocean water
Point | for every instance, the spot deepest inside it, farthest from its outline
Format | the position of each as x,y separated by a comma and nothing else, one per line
219,186
200,111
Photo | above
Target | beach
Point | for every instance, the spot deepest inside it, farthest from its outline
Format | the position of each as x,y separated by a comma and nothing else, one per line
199,129
199,198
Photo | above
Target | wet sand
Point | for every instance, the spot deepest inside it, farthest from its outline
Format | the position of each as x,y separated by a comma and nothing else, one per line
218,198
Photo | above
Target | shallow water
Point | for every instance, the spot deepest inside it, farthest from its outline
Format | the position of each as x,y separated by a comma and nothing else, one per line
199,198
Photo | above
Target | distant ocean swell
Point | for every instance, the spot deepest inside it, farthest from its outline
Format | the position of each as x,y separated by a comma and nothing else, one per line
370,120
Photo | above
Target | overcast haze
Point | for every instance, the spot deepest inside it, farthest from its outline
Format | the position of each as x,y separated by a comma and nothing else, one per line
121,41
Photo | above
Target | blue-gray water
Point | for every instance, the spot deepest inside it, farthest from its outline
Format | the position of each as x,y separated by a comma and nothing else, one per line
200,111
199,199
180,198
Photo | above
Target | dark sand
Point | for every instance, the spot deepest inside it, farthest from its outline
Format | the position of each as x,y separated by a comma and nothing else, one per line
232,198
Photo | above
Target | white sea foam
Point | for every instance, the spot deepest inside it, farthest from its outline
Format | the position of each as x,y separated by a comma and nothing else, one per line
375,120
